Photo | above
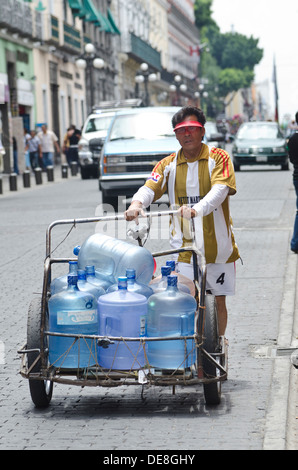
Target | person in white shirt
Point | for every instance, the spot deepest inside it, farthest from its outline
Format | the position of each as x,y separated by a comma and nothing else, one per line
48,143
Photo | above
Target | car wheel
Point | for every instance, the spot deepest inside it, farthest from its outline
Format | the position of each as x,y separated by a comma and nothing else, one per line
236,166
285,166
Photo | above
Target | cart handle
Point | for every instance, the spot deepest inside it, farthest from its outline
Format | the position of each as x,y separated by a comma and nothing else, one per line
107,218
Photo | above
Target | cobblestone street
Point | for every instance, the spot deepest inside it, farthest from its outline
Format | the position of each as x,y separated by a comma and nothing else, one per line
254,413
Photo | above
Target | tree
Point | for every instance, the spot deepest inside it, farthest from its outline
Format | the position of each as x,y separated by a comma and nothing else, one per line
233,50
229,65
203,13
232,79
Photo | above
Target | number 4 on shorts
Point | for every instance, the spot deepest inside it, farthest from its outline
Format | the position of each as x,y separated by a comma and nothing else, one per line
221,279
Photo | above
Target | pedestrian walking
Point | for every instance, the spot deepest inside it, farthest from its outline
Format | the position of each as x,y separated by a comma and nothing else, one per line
73,137
293,154
34,149
15,155
2,153
27,137
199,180
48,143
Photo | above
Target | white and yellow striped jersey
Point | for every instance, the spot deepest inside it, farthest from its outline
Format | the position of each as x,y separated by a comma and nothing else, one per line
188,183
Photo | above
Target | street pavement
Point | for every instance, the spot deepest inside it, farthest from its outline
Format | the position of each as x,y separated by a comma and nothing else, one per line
259,407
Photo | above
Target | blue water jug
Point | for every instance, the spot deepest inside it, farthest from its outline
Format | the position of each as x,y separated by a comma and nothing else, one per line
111,258
133,285
96,280
181,285
72,312
160,285
122,314
85,286
171,313
60,283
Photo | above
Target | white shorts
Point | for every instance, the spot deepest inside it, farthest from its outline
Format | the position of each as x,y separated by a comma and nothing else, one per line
220,279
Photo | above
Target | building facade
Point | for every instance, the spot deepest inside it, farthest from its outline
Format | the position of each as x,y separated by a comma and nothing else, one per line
49,75
40,80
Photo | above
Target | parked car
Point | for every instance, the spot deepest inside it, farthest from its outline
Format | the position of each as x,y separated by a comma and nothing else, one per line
260,143
137,140
213,136
94,133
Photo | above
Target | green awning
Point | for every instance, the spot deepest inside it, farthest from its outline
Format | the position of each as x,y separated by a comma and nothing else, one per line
75,5
95,16
85,9
77,8
112,22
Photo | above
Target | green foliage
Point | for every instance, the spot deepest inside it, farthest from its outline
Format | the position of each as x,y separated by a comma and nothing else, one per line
229,64
233,50
232,79
203,13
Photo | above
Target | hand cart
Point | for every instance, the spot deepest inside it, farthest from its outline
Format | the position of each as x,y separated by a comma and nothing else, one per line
210,367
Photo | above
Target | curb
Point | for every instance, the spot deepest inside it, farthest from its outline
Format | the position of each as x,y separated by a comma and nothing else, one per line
59,173
276,426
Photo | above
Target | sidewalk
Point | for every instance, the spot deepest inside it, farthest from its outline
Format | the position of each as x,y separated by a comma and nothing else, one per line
292,437
281,430
12,183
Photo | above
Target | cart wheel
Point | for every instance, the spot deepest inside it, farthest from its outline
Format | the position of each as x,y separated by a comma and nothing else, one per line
212,391
40,390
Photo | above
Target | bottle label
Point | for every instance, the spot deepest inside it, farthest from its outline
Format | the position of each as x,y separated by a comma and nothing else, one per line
74,317
143,325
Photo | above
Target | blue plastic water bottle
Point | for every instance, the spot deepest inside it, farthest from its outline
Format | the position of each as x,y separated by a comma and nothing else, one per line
60,283
122,314
171,313
162,284
111,258
95,280
133,285
85,286
72,312
180,285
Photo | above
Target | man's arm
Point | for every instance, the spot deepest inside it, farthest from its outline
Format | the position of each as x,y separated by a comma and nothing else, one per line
143,198
208,204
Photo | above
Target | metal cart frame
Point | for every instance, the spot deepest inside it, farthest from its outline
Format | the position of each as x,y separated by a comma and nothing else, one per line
210,368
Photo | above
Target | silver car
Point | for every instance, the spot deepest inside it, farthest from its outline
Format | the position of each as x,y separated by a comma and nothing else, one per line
94,132
137,140
260,143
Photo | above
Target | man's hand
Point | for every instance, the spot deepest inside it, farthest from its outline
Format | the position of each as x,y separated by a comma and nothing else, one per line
134,210
187,212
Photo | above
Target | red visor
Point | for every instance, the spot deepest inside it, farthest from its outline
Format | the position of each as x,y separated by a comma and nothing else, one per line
187,124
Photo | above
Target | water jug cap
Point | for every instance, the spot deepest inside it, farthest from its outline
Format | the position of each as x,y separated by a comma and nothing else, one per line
76,250
81,274
172,264
73,263
131,273
122,283
90,270
172,280
166,270
72,279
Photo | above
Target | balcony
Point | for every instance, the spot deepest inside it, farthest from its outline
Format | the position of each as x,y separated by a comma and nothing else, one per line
18,18
72,39
68,39
53,36
142,51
